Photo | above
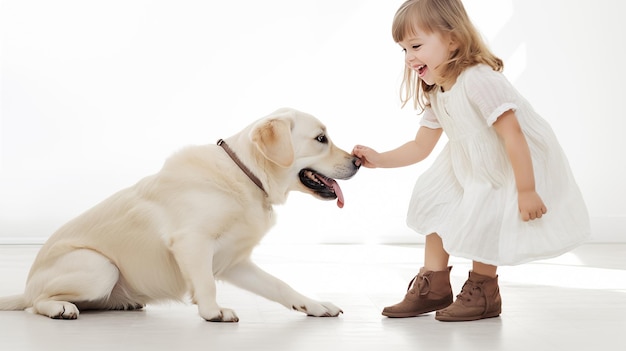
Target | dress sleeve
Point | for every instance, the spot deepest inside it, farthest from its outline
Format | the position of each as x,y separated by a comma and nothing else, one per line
490,92
429,119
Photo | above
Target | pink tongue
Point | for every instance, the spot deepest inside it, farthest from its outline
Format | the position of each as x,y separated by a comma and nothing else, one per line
333,184
338,192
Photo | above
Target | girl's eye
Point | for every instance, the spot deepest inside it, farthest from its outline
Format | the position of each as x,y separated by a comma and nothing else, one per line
416,46
322,139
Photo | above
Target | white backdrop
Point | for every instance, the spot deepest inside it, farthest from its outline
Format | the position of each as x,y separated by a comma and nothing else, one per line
96,94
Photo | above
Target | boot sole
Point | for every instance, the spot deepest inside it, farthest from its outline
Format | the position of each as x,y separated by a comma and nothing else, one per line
467,318
415,313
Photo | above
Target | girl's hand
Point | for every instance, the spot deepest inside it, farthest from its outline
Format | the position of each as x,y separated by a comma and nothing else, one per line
368,156
530,205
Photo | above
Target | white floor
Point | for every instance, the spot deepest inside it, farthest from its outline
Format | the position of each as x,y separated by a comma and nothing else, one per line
574,302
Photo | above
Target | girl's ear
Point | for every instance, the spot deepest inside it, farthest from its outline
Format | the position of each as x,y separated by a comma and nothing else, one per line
272,138
453,44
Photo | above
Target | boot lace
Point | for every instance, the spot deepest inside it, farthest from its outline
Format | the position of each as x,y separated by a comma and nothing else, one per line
474,291
468,291
423,285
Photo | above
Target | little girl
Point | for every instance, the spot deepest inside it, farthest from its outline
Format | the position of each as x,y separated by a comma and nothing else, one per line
500,193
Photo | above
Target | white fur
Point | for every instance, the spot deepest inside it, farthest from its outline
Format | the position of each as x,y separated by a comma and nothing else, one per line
174,233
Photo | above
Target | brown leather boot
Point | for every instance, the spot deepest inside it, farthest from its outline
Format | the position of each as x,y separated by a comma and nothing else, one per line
479,299
427,292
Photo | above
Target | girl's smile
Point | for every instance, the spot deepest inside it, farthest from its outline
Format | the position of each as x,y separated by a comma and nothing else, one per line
420,69
425,52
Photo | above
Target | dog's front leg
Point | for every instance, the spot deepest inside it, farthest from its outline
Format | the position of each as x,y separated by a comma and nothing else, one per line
195,260
249,276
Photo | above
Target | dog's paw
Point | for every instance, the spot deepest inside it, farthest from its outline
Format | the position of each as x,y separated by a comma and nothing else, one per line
220,315
318,309
57,309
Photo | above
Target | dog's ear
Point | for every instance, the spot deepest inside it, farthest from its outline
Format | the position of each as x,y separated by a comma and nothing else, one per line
273,138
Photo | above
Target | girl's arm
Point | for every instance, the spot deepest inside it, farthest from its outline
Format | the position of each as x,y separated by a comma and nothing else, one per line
530,204
407,154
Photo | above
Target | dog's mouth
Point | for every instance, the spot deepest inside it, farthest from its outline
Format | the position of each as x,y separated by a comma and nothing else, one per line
323,186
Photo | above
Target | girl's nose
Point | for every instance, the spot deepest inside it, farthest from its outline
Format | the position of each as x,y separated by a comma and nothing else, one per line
409,57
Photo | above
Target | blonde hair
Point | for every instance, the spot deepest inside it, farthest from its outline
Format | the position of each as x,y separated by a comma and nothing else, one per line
445,17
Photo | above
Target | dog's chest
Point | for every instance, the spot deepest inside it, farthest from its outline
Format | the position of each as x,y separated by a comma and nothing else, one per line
240,239
254,225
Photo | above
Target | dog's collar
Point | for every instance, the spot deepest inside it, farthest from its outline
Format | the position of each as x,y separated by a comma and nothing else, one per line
243,167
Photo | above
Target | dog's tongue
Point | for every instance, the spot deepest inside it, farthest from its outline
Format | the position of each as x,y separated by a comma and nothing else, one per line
333,184
339,194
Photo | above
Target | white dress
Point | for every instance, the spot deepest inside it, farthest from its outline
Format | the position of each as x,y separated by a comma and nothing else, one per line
469,196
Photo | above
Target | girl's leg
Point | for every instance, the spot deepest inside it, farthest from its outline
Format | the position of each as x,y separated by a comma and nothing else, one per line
484,269
435,257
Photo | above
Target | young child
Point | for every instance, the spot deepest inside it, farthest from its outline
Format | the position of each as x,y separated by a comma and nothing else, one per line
500,193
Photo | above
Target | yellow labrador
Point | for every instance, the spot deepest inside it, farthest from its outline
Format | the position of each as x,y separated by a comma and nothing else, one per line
174,233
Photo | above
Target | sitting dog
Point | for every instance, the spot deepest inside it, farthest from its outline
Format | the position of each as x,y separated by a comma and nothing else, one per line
198,219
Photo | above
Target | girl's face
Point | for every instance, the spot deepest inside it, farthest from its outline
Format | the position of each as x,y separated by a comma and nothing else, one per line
424,52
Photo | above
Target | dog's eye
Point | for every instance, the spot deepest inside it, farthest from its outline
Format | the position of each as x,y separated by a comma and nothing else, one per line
322,139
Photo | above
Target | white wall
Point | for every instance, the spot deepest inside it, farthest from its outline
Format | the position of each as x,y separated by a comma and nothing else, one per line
95,94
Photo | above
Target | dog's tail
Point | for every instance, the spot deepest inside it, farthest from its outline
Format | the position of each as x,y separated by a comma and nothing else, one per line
13,303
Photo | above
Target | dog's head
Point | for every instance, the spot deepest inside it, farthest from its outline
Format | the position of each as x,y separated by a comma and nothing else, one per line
300,148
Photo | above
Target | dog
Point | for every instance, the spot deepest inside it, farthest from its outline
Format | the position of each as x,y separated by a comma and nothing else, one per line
197,220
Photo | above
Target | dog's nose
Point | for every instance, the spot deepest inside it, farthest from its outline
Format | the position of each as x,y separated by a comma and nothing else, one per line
356,162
